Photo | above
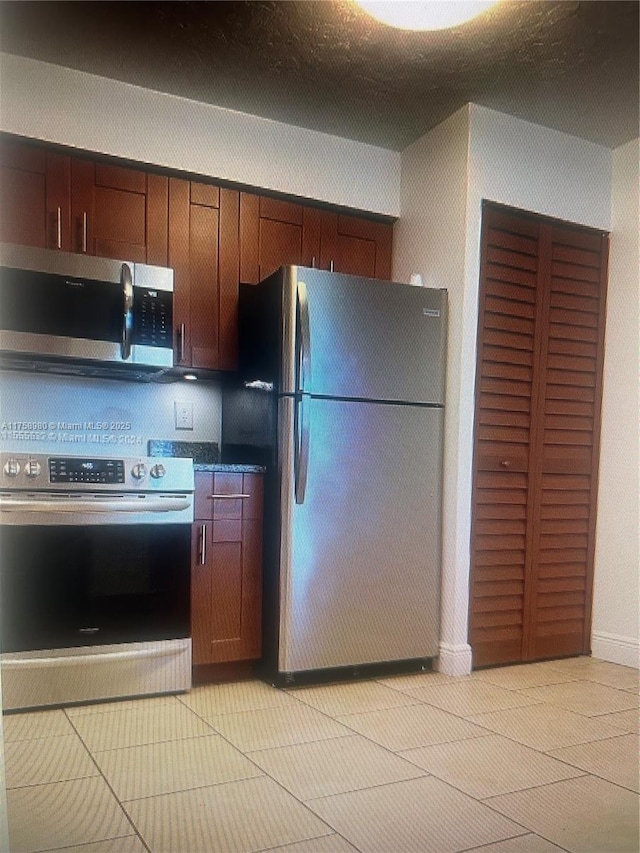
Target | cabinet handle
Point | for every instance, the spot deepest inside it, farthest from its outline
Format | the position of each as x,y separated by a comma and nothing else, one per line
59,228
85,229
202,546
228,497
181,339
313,262
505,463
331,265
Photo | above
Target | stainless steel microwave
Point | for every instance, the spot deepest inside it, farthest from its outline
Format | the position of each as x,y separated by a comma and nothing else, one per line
75,313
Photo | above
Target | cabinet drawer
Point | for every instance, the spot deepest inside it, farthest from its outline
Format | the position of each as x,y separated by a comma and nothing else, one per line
227,530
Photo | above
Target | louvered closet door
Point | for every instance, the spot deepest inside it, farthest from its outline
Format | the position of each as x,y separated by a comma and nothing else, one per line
537,422
509,307
567,443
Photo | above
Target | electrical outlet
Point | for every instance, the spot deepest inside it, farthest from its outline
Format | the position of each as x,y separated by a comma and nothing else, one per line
184,415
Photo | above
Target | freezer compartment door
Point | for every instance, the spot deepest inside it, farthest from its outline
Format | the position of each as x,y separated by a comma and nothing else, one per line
365,339
360,556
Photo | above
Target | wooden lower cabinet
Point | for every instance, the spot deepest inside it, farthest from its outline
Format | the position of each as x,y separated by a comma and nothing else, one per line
226,573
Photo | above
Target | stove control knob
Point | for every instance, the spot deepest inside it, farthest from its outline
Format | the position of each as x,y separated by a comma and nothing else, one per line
158,471
139,471
32,468
11,468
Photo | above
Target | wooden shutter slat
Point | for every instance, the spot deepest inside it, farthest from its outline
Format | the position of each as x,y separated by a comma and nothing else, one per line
502,417
510,307
572,255
525,278
508,340
508,290
501,370
583,289
509,323
574,318
507,356
574,303
508,258
514,242
492,511
573,271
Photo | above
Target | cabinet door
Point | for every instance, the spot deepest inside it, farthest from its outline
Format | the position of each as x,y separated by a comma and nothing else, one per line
34,196
356,246
270,236
227,570
203,251
118,212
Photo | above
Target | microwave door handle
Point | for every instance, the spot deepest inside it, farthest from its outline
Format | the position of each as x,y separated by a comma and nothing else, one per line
127,313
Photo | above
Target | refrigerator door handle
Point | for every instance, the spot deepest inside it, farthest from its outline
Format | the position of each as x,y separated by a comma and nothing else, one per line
304,340
301,461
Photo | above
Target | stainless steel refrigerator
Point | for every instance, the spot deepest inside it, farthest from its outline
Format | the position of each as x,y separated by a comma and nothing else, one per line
353,542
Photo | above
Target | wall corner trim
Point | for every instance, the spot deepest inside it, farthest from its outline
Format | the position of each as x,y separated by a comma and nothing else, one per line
454,659
616,648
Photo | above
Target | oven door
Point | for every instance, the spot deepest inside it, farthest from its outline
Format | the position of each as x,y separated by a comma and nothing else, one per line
67,586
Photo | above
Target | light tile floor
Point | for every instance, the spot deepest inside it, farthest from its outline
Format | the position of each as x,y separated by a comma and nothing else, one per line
525,759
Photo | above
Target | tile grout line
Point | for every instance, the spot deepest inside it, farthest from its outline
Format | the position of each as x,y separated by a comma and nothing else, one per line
108,784
267,775
581,774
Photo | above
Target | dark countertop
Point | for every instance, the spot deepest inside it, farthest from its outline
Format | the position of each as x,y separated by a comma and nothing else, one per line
229,468
205,455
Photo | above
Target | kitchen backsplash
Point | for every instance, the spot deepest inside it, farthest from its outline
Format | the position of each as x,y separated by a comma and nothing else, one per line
74,415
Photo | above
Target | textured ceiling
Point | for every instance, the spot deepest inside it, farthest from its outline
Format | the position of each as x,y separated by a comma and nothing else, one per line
329,67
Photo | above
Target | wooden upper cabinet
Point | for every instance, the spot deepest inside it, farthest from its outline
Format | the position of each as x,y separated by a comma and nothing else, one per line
118,212
275,232
212,237
270,236
356,246
203,252
57,201
34,196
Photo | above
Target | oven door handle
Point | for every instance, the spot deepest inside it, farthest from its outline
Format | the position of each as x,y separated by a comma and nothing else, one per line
139,505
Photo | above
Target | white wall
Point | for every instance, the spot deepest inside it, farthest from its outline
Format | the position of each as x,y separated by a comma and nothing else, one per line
56,104
100,417
519,164
616,607
429,238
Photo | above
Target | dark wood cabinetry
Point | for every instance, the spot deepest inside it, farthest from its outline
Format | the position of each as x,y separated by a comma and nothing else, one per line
213,237
538,393
75,204
34,196
118,212
226,581
203,251
275,232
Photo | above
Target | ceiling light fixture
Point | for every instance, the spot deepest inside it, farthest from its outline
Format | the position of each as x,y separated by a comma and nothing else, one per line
430,15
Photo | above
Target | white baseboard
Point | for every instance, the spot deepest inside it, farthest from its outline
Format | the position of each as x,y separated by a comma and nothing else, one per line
454,659
615,648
